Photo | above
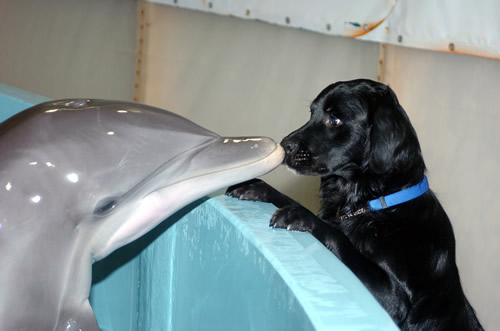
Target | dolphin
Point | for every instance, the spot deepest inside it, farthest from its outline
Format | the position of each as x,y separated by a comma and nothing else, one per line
83,177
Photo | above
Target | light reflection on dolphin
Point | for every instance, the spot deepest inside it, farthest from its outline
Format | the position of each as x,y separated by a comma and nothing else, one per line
80,178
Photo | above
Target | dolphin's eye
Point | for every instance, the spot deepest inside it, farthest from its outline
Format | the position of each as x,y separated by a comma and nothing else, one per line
105,206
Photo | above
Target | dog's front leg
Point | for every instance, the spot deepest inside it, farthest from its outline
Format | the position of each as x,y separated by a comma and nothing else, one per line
290,215
295,217
258,190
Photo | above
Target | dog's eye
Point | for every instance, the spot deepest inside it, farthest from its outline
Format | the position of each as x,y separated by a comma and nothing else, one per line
334,121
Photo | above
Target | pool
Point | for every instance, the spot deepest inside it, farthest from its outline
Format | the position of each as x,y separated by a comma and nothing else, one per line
216,265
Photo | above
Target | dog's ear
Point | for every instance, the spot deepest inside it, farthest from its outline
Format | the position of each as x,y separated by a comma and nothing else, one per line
393,142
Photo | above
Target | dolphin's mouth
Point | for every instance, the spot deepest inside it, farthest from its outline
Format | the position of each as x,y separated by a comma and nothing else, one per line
213,156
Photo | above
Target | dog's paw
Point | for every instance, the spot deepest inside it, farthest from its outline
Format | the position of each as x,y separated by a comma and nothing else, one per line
293,218
255,190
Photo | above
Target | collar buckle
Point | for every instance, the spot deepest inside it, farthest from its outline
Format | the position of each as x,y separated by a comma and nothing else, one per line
382,202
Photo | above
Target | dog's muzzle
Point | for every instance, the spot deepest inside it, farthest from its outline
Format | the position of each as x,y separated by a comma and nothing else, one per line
296,156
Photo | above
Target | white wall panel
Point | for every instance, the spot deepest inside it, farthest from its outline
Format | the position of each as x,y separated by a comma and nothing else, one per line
334,17
454,104
240,77
456,26
459,26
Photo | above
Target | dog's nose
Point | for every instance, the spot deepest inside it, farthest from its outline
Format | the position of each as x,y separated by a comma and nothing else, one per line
289,145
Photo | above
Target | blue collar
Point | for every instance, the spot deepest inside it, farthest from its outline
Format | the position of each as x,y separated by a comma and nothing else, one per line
402,196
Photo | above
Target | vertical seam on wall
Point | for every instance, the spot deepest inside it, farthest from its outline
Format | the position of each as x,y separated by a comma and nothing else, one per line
142,25
139,76
381,63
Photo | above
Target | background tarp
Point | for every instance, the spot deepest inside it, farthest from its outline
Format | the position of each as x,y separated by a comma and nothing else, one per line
462,26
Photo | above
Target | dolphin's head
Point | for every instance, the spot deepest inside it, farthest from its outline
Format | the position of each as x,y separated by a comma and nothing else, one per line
81,178
114,170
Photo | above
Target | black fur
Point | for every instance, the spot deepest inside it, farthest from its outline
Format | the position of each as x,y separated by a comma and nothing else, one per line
359,140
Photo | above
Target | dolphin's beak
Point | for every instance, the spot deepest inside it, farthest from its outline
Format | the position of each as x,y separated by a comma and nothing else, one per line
244,157
228,160
230,153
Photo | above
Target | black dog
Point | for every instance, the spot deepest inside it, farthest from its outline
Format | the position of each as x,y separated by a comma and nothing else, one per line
359,140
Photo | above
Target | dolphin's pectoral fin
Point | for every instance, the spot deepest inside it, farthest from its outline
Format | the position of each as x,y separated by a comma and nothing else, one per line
80,319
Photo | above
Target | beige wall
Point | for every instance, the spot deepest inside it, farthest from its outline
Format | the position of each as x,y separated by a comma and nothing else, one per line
454,103
69,48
